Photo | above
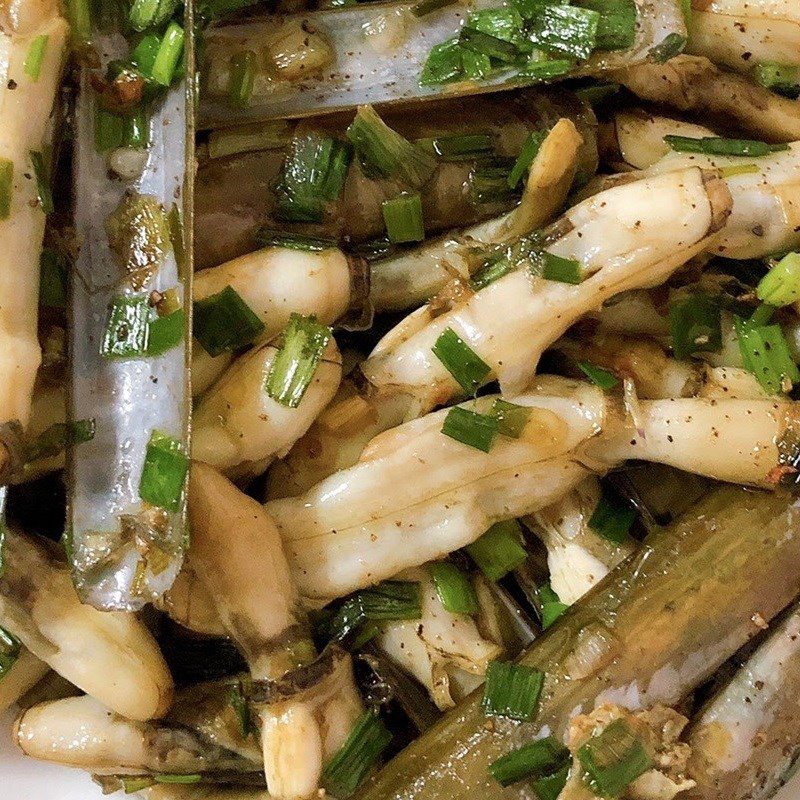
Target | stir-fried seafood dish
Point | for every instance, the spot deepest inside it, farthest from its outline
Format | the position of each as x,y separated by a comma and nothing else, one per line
401,400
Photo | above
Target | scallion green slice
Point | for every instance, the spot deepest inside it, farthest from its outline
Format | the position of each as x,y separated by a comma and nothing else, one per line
223,321
562,270
545,69
294,365
42,172
719,146
144,54
6,186
385,152
613,759
403,218
475,66
732,170
241,78
135,783
344,773
781,285
467,368
164,333
598,376
269,237
524,160
534,760
499,550
490,272
164,777
424,7
612,519
766,354
783,79
9,651
443,64
549,787
80,20
550,605
490,184
597,93
126,332
616,28
35,56
511,418
164,472
512,690
695,325
58,437
136,129
487,45
670,46
109,130
454,588
566,29
142,13
54,269
242,711
467,427
169,53
459,147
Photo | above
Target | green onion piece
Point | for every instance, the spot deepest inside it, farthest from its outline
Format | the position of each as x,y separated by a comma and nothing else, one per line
762,315
54,269
616,28
670,46
613,759
163,777
490,272
42,172
58,437
597,93
766,354
269,237
545,69
403,219
176,237
780,78
144,54
524,160
9,651
718,146
80,20
385,152
109,130
499,550
135,783
6,186
241,710
566,29
490,184
387,601
598,376
499,23
686,10
550,787
563,270
35,56
454,588
214,9
241,77
475,66
164,333
443,64
511,418
127,328
612,519
136,129
142,13
467,368
487,45
223,321
169,53
269,135
349,766
295,363
550,605
424,7
467,427
694,325
512,690
739,169
164,472
534,760
781,285
459,147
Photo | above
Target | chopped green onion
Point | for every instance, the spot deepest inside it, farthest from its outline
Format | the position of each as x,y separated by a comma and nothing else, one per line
403,219
467,368
176,237
550,605
534,760
444,64
223,321
549,787
164,333
387,601
499,23
54,269
164,472
143,13
766,354
780,78
475,66
524,160
6,186
490,272
487,45
511,418
169,53
386,152
424,7
109,130
598,376
762,315
459,147
562,270
241,77
144,54
739,169
42,172
267,237
695,325
467,427
499,550
240,708
612,519
566,29
214,9
781,285
613,759
686,10
136,130
512,690
269,135
545,69
135,783
616,28
490,184
163,777
296,361
718,146
670,46
349,766
454,588
35,56
9,651
597,93
80,20
126,331
58,437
